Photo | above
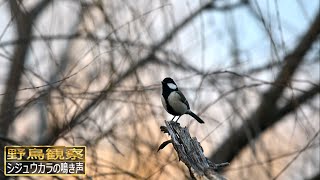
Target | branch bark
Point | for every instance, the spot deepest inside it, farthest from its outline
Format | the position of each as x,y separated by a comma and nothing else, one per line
190,152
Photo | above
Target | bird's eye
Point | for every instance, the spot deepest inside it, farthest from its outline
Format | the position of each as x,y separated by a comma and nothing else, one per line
172,86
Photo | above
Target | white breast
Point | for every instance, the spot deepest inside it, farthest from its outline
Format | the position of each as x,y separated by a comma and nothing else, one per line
164,104
177,105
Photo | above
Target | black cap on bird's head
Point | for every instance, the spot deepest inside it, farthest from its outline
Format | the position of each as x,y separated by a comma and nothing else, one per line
167,80
169,83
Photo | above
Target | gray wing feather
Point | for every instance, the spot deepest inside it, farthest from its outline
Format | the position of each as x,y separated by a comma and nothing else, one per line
183,99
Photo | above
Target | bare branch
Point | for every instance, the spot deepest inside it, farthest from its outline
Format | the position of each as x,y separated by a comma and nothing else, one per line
263,117
190,152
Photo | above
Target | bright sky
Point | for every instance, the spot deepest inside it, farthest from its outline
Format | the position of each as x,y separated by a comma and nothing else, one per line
295,16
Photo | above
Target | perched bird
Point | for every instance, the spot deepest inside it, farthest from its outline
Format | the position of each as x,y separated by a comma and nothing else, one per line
174,101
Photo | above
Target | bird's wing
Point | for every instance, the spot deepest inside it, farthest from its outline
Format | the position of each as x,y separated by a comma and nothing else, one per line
183,99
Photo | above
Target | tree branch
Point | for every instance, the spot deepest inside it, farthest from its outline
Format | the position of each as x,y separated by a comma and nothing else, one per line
24,22
267,113
239,138
24,29
190,152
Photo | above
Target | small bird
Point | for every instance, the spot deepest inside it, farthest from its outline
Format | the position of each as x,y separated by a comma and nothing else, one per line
174,101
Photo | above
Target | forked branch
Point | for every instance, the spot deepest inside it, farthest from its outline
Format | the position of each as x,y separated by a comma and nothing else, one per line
190,152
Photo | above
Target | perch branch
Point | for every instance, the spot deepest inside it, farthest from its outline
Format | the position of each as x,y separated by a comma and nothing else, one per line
190,152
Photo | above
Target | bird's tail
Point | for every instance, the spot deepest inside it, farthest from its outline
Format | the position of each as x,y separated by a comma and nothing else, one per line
195,116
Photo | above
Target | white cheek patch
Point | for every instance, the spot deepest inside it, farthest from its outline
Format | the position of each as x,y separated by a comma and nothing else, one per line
172,86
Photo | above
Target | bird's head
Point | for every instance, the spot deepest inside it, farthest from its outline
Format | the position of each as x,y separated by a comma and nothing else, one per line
169,83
